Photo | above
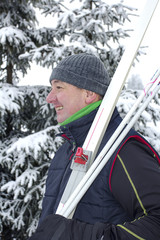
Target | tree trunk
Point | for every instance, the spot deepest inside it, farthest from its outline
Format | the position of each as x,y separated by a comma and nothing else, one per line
9,73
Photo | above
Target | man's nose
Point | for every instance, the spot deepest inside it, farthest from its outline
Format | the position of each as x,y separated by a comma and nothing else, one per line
51,97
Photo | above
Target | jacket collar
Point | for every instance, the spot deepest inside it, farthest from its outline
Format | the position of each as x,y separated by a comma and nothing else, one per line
77,130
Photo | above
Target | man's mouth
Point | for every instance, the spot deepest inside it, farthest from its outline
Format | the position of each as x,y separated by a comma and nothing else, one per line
59,108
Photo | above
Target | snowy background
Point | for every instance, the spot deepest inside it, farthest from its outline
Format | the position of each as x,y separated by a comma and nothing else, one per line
145,68
28,125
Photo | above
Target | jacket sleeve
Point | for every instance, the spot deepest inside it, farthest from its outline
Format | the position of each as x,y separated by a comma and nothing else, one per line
135,183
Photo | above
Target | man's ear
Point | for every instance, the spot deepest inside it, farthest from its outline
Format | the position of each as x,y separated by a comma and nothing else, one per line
91,97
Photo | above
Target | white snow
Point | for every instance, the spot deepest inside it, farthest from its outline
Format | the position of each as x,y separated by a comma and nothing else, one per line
10,97
13,35
32,142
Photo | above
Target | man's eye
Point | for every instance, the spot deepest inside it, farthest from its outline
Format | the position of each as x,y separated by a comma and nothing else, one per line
58,87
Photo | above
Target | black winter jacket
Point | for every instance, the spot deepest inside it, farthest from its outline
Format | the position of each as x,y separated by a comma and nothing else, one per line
98,204
134,183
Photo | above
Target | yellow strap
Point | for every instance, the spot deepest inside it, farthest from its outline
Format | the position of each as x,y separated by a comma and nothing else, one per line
132,233
133,186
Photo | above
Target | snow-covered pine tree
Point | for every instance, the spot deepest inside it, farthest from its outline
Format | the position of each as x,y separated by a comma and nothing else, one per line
149,122
83,26
18,34
27,144
17,19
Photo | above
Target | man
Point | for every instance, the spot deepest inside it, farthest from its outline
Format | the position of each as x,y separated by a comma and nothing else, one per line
124,200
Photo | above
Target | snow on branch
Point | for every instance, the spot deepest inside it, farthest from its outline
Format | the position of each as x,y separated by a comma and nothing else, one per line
12,35
35,142
10,98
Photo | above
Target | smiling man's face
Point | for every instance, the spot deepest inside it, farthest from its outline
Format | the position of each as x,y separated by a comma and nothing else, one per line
66,98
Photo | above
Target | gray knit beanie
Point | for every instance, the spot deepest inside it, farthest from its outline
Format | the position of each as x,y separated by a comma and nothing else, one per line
84,71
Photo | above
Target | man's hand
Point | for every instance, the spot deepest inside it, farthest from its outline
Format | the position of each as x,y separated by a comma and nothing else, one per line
56,227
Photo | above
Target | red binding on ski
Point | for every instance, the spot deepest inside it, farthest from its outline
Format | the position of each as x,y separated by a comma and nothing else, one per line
80,157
